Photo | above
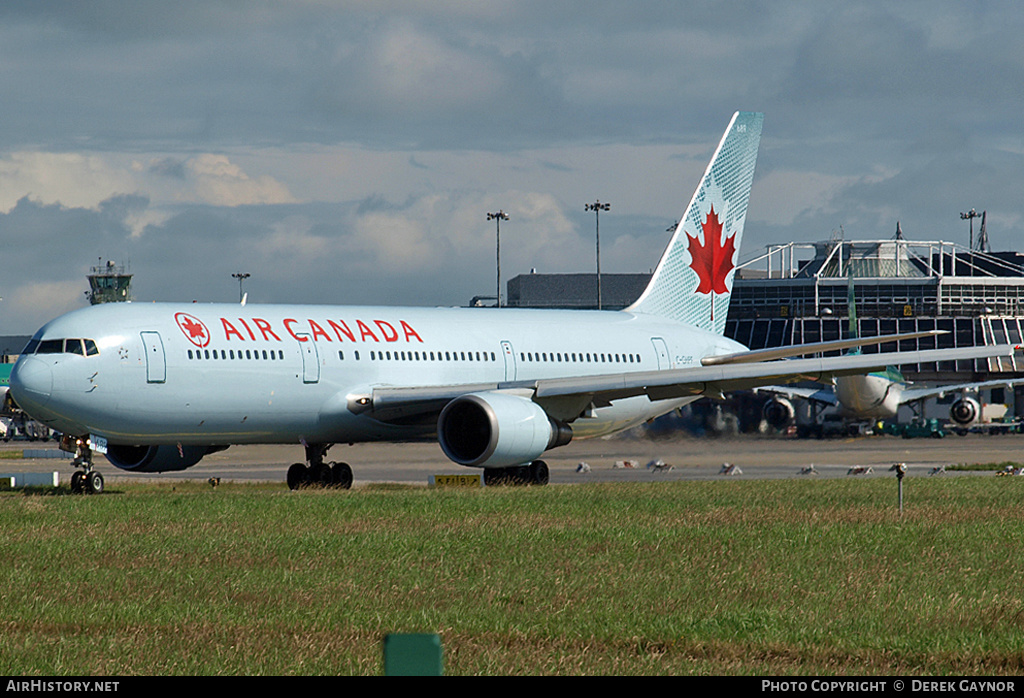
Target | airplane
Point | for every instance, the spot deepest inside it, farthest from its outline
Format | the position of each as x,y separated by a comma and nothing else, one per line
155,387
875,395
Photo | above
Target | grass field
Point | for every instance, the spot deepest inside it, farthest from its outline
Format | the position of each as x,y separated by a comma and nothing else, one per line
722,577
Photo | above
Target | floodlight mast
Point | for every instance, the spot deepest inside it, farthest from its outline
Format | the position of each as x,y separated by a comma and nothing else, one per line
597,207
970,216
241,276
498,218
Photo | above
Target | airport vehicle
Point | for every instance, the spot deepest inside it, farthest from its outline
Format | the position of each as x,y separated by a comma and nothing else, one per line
155,387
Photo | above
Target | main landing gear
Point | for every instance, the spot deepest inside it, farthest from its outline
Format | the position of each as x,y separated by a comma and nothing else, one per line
87,480
536,473
316,473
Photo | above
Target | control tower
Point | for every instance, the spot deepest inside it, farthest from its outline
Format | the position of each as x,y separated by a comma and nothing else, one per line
109,283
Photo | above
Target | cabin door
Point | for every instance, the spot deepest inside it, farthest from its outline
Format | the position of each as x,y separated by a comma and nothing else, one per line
156,360
310,359
661,350
510,360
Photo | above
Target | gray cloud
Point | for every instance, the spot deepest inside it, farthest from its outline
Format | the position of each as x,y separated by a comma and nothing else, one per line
348,151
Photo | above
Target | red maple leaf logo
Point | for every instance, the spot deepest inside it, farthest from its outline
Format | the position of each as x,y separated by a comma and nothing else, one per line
713,260
193,328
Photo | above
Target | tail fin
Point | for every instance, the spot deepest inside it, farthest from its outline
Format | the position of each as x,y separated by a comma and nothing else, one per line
852,331
892,373
693,280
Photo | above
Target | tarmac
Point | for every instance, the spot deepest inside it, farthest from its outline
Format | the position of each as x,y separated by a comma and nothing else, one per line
615,459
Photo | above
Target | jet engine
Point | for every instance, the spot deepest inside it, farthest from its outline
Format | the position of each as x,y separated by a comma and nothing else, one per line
964,411
158,459
778,412
494,430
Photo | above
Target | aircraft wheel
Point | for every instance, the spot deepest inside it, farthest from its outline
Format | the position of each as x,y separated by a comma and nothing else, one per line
94,482
342,475
495,476
321,475
539,472
78,482
298,476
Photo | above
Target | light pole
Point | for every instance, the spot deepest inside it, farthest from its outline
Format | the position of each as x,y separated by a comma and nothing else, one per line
241,276
970,216
597,207
498,218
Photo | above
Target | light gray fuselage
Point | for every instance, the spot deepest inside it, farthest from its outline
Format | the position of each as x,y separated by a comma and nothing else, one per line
232,374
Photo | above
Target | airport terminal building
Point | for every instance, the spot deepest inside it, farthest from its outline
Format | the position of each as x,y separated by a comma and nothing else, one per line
796,293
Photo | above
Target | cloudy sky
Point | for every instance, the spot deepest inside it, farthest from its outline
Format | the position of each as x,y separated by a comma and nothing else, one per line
349,151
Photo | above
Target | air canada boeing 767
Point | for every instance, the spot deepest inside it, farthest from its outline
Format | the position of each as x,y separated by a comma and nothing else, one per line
155,387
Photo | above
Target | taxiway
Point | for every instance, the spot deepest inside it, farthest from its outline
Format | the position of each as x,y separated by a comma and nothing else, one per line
686,458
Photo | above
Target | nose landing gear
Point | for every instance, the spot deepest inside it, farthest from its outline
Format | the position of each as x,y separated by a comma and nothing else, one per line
87,480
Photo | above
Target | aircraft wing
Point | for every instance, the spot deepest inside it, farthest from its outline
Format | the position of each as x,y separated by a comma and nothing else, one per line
826,396
567,398
757,355
914,394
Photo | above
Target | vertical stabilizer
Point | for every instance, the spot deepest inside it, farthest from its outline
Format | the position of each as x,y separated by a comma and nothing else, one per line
693,280
852,330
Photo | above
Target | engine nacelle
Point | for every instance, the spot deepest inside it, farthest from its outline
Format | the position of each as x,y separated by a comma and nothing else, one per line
778,412
494,430
964,411
157,459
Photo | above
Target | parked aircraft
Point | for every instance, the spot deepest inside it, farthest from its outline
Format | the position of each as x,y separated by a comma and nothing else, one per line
155,387
876,395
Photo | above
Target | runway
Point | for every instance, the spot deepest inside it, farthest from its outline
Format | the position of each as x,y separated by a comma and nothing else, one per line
689,459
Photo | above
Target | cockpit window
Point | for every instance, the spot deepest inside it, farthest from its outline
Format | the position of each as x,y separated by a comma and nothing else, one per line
51,346
81,347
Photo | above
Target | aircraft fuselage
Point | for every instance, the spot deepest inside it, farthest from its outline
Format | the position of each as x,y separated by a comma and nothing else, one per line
220,374
871,396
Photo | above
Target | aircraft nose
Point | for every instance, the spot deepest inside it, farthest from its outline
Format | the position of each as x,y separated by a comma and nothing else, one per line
31,383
